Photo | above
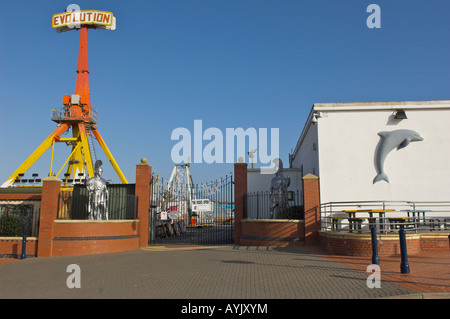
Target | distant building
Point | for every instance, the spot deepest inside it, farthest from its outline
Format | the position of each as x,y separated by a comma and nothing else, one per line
398,151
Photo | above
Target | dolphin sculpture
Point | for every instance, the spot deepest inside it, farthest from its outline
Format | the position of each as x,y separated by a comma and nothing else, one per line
388,141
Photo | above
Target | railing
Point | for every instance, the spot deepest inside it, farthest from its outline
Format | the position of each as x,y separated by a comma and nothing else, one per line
74,204
386,216
219,193
76,114
192,214
259,205
18,220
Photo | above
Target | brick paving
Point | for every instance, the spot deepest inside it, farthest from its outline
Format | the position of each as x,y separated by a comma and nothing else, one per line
222,272
429,270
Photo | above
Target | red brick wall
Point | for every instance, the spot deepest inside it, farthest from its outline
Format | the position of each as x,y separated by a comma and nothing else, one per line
311,202
434,241
272,233
240,191
12,247
72,237
49,207
142,191
20,196
94,237
388,245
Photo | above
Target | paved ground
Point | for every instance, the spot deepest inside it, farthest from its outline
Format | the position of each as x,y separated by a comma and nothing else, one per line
429,275
223,272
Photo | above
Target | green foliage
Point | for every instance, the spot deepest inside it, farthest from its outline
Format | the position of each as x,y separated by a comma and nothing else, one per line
293,212
10,225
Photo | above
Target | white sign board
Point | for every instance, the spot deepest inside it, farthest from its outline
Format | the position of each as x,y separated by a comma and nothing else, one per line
201,205
71,20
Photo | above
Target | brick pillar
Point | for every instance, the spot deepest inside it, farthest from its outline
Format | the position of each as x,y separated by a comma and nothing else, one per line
49,209
311,202
240,198
142,191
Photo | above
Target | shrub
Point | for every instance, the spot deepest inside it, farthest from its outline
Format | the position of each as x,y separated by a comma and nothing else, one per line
10,225
293,212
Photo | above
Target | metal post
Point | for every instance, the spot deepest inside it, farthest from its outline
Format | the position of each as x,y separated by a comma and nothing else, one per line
257,205
375,258
24,247
153,226
404,266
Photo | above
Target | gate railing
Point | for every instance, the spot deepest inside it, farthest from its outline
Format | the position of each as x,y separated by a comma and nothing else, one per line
386,216
219,193
202,213
259,205
122,203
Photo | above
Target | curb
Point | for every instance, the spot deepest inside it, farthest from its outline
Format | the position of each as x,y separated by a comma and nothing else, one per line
433,295
177,247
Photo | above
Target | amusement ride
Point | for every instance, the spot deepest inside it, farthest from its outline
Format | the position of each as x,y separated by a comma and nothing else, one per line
77,114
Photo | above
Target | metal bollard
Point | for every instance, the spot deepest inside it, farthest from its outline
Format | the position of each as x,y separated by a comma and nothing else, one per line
404,266
375,258
24,247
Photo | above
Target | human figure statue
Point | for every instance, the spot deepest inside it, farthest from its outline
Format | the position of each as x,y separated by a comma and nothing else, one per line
278,190
98,194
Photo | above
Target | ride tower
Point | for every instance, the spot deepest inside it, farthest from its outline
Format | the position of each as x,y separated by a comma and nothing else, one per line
76,114
180,184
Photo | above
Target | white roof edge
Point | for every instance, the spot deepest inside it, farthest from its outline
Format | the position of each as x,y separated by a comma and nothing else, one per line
304,131
364,106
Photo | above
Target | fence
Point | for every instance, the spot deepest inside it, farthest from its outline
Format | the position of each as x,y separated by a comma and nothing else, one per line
259,205
122,203
18,220
219,193
386,216
192,214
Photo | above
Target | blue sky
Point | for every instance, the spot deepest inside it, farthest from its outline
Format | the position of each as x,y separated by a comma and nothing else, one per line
229,63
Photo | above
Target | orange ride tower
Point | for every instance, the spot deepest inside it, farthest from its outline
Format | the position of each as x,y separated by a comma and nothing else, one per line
77,113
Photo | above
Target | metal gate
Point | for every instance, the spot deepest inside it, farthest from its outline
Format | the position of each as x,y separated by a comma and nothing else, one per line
201,214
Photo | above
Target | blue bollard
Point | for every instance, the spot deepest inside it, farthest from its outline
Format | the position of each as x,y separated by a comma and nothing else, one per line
24,247
404,266
375,258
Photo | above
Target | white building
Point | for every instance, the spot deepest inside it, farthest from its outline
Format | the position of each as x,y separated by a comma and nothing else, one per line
344,144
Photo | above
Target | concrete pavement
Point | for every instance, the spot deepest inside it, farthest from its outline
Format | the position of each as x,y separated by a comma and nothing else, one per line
209,272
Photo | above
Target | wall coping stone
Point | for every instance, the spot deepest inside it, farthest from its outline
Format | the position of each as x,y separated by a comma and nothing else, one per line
368,236
96,221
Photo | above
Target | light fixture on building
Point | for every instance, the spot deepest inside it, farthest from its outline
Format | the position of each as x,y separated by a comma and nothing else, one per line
400,115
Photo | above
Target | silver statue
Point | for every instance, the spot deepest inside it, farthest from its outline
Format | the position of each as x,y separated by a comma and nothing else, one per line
278,190
98,195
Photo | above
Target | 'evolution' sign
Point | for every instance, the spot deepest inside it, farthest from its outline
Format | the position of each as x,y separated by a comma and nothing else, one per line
74,19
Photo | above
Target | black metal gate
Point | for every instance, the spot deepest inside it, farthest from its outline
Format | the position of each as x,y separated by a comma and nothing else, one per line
122,202
206,217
